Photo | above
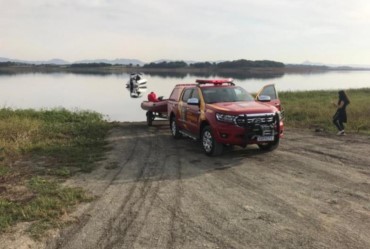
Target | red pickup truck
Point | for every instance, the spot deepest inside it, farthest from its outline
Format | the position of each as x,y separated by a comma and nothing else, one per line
220,114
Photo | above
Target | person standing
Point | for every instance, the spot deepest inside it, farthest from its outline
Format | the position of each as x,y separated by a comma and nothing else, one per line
340,116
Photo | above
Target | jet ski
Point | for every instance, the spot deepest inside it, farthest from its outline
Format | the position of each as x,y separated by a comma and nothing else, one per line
136,85
136,81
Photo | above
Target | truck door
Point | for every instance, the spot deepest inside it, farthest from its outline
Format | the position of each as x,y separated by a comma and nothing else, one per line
270,91
183,108
193,112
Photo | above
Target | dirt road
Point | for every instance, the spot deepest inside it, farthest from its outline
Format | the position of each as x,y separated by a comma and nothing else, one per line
157,192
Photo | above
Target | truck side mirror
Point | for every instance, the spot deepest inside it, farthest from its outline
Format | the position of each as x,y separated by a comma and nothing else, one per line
264,98
193,101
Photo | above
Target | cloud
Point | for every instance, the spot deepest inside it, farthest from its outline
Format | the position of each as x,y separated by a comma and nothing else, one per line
204,30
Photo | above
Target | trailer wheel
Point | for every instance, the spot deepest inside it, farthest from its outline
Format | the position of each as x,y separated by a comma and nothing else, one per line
149,118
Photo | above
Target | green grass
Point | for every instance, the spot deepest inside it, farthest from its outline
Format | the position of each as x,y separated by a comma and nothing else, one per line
70,138
38,149
315,109
48,203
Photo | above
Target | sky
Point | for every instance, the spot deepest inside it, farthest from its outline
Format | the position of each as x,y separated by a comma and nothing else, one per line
290,31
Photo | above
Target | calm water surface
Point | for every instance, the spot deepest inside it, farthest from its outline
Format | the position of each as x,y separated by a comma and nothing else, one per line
107,94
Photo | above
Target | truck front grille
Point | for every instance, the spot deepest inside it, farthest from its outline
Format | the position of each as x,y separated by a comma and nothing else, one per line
255,119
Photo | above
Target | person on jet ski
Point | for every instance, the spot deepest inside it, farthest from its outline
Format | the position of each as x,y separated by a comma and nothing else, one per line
133,81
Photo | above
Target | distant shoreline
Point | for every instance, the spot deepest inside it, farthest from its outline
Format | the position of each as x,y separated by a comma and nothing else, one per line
119,69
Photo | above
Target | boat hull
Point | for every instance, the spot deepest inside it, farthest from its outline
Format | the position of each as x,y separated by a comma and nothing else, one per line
160,106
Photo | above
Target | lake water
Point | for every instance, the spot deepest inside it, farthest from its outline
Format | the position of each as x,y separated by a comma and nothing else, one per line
107,94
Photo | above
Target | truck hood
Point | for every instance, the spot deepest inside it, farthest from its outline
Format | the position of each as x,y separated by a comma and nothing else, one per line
236,108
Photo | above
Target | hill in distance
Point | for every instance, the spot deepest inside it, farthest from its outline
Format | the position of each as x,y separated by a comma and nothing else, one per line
114,62
123,61
64,62
52,61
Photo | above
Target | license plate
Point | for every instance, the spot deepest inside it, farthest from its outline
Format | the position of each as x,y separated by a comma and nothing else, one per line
265,138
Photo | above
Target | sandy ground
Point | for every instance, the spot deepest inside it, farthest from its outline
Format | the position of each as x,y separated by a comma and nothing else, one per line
157,192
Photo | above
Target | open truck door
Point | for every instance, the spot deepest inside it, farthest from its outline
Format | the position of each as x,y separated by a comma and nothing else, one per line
269,95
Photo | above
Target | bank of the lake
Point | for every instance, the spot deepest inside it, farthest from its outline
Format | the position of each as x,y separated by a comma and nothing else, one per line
40,149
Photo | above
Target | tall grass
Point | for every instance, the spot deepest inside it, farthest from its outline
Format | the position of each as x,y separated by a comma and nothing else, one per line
68,137
37,149
315,109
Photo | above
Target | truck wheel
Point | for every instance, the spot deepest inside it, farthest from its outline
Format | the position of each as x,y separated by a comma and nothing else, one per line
269,146
210,146
174,128
149,118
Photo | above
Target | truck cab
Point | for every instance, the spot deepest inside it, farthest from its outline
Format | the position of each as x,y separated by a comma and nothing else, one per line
219,113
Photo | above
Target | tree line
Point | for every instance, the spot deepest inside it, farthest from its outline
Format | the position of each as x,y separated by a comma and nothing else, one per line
239,64
221,65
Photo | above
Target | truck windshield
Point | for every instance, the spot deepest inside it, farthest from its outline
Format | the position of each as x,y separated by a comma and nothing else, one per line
225,94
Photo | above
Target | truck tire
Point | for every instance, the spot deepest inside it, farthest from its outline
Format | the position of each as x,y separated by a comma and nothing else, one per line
174,128
210,146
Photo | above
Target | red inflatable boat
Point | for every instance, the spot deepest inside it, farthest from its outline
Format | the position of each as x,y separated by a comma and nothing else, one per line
154,109
160,106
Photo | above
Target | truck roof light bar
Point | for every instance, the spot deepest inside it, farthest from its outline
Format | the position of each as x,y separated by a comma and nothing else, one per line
216,81
186,84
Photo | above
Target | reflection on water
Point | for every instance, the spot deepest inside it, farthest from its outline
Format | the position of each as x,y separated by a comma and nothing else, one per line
235,75
107,93
247,75
166,75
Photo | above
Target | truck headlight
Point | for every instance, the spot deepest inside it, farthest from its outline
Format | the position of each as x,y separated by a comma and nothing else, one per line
225,118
